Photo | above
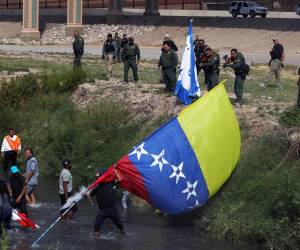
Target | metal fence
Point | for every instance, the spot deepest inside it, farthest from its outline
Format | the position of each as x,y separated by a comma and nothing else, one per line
285,5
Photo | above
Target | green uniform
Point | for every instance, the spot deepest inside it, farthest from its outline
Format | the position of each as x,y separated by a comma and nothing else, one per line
298,100
238,66
168,62
78,49
131,53
212,70
118,41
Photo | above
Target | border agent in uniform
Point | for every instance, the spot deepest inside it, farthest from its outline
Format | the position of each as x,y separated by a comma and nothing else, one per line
78,49
212,68
168,62
237,63
131,56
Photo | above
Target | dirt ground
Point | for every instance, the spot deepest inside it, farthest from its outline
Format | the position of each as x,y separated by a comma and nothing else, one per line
248,37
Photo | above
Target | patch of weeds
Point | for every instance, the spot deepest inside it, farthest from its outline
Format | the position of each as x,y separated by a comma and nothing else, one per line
291,117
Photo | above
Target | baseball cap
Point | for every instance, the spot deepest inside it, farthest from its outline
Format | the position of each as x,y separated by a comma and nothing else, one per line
275,38
14,169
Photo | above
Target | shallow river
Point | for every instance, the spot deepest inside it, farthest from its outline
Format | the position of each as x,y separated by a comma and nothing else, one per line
145,230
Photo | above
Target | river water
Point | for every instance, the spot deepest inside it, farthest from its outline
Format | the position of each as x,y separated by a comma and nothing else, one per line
145,230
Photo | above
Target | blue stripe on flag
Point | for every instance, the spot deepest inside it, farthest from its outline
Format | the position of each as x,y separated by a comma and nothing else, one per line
170,170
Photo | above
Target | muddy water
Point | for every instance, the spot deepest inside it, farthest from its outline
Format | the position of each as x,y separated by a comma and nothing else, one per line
145,230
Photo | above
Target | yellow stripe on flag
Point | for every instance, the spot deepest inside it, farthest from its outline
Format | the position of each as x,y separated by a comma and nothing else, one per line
213,131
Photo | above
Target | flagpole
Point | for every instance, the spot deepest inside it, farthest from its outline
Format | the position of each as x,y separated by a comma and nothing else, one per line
53,224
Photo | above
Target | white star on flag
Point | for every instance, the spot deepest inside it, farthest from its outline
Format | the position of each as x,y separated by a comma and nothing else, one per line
177,172
159,160
191,189
139,151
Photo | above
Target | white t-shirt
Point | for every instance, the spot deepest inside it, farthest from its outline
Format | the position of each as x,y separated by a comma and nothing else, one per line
65,175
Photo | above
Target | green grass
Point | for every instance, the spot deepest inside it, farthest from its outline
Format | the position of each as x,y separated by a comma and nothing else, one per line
40,109
4,240
259,205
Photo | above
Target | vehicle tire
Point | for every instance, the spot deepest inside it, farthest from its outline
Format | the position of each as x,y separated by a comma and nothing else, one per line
252,14
245,15
263,15
234,13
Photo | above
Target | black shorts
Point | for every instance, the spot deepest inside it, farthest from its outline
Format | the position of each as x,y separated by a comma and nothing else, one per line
108,213
63,201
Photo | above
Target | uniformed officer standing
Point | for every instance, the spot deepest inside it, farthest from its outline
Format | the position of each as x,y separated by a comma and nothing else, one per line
118,41
109,51
276,62
124,41
131,57
200,49
238,64
78,49
168,62
212,68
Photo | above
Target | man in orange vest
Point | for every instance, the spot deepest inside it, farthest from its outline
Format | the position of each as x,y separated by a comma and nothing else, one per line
11,147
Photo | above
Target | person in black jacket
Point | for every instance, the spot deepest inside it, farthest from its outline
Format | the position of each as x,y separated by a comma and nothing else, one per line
5,208
167,39
18,189
105,198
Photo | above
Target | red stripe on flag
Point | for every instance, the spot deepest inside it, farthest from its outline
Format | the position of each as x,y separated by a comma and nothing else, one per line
131,179
108,176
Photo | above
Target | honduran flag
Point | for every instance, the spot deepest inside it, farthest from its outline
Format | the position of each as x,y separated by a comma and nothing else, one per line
183,163
187,86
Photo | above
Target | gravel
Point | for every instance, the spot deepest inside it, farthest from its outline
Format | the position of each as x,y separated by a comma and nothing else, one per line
55,34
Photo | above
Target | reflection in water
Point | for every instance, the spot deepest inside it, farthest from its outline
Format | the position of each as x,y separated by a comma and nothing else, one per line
145,230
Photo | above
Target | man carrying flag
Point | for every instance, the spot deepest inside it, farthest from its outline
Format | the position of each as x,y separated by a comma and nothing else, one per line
187,88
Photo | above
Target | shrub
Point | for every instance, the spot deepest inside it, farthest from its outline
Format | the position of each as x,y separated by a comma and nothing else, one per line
16,92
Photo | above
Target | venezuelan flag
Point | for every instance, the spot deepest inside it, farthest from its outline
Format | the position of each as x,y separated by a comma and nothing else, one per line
183,163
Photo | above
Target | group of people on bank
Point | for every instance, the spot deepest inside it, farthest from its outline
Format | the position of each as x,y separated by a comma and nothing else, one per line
17,189
117,49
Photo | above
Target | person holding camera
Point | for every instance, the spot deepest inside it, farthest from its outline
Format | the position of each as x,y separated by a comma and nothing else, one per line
211,67
236,61
131,56
109,52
